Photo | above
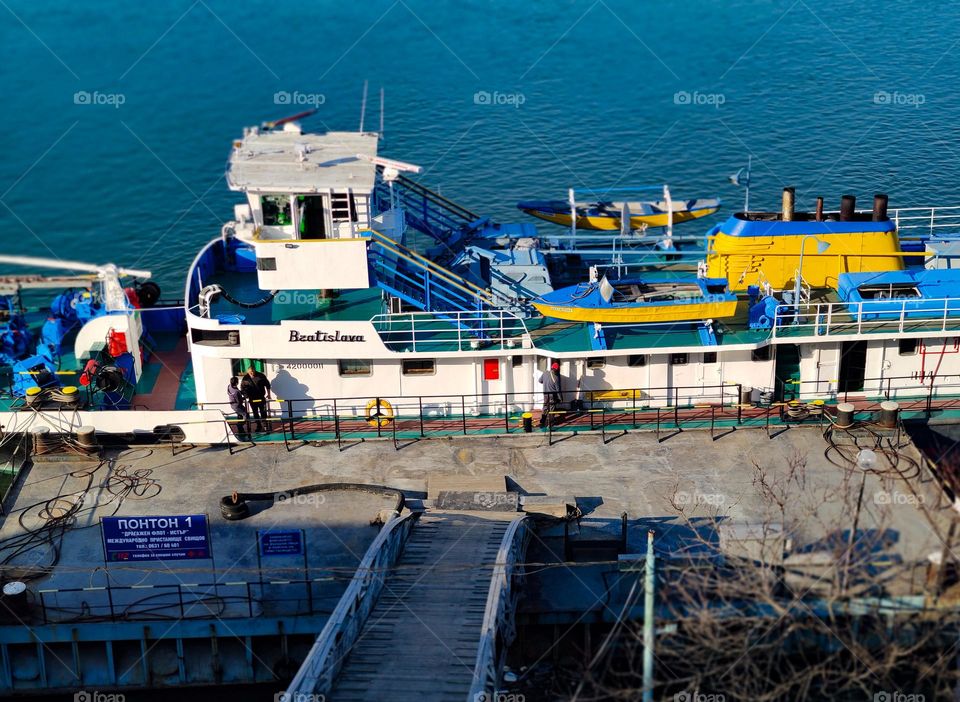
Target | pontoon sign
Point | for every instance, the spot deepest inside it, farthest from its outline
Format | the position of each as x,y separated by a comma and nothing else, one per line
175,538
324,337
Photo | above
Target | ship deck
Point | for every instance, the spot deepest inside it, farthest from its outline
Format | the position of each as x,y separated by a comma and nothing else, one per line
346,306
435,332
825,315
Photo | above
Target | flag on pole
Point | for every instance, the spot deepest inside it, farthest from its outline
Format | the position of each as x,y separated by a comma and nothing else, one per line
740,179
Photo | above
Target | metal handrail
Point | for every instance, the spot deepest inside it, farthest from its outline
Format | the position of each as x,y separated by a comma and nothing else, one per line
499,627
830,318
431,195
323,662
425,263
496,326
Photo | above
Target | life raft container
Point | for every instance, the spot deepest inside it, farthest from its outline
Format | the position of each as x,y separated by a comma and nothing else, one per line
116,343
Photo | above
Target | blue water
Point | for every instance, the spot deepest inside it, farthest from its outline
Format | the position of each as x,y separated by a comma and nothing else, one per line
141,184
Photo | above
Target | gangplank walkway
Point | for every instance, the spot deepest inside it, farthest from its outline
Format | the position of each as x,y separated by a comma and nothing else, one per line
421,640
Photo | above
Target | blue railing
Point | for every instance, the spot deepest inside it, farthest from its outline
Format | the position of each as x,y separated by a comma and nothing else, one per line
421,287
429,212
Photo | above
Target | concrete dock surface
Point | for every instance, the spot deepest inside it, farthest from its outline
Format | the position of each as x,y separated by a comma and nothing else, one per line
802,492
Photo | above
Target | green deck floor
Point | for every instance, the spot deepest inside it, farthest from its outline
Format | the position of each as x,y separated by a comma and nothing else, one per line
151,371
560,337
347,306
187,392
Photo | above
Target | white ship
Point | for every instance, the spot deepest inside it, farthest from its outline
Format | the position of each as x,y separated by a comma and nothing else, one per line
367,301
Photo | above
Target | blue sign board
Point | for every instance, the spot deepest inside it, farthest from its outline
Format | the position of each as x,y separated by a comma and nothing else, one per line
176,538
281,543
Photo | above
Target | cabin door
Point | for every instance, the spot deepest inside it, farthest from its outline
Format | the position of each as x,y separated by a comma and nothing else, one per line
313,224
853,366
787,372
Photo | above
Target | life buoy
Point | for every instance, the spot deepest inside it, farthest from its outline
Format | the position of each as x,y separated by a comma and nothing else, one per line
379,413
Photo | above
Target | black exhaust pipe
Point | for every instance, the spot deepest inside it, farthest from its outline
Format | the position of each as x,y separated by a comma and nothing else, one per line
848,205
880,207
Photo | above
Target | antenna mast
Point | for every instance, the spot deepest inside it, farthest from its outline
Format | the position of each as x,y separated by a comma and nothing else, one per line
363,105
381,112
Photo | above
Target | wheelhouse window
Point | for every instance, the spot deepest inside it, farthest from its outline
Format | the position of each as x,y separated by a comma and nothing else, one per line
354,367
215,337
637,360
891,291
266,264
419,366
710,357
596,363
908,347
276,210
679,359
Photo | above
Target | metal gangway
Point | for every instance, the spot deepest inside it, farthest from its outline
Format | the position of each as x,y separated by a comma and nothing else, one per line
420,282
428,615
449,224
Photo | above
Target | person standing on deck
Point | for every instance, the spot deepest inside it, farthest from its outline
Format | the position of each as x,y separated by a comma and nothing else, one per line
256,388
552,392
238,405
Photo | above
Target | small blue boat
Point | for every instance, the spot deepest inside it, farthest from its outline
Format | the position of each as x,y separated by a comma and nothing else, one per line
910,294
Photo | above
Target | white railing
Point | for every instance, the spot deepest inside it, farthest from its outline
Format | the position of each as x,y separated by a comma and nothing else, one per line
320,668
499,618
926,221
921,221
903,316
452,331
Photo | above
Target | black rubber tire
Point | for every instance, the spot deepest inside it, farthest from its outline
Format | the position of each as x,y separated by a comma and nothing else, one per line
148,293
233,511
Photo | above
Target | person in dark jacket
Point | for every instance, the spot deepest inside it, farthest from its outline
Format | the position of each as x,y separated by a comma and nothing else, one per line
238,404
552,392
256,388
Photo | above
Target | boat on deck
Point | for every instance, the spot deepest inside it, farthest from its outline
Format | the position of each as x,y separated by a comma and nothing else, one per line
601,214
633,300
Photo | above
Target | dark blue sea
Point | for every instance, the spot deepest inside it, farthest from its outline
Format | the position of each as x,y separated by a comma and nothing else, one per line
118,115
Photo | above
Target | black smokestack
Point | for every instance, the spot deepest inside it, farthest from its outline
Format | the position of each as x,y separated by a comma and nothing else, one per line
880,207
848,205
